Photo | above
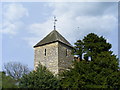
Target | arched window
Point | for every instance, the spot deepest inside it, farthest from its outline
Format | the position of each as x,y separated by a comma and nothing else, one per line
45,52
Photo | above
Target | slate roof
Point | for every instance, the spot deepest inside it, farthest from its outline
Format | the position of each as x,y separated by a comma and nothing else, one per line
53,36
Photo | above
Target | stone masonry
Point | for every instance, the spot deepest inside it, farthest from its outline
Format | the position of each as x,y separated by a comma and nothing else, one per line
50,60
54,52
65,57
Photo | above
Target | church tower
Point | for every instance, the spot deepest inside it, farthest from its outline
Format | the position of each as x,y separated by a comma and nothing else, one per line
54,52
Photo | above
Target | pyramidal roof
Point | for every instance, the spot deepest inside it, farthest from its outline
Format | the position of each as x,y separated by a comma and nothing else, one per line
53,36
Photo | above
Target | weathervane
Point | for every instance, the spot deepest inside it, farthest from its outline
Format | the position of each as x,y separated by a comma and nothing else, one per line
55,20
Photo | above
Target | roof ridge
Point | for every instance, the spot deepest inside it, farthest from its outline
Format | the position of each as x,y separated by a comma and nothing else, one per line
52,37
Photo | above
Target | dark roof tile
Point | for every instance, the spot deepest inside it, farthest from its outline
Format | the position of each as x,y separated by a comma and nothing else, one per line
53,37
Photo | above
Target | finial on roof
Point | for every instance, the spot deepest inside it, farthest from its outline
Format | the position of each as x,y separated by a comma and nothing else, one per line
55,20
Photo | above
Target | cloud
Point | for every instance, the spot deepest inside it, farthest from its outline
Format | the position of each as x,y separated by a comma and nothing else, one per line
12,13
38,31
31,40
99,18
81,9
11,28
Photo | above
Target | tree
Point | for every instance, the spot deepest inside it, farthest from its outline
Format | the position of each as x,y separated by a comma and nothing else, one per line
78,49
90,46
7,81
15,69
100,72
94,45
40,78
107,67
75,77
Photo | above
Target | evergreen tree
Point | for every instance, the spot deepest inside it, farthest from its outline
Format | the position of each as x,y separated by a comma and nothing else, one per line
40,78
106,67
7,81
94,44
101,71
78,49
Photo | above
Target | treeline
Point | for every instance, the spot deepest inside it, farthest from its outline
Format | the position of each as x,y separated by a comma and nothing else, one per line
97,68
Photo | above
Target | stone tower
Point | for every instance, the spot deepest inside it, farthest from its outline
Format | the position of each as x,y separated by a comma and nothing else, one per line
54,52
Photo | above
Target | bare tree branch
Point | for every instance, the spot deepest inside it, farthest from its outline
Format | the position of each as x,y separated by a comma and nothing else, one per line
15,69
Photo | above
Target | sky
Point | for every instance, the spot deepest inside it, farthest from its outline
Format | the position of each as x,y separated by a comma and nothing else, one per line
23,24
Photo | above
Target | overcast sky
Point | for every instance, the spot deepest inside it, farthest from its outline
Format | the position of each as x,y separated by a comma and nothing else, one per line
26,23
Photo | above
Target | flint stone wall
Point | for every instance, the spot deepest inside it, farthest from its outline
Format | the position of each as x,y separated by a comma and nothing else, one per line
55,59
65,57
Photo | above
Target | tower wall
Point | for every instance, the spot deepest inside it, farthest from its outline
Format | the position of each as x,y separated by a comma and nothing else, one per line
50,60
65,57
57,58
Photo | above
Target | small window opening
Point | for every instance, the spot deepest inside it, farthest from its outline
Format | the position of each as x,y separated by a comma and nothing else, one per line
66,52
45,52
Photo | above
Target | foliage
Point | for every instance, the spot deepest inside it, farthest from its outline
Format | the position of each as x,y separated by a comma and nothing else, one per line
101,71
89,74
40,78
90,46
79,49
15,69
0,80
7,81
94,45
